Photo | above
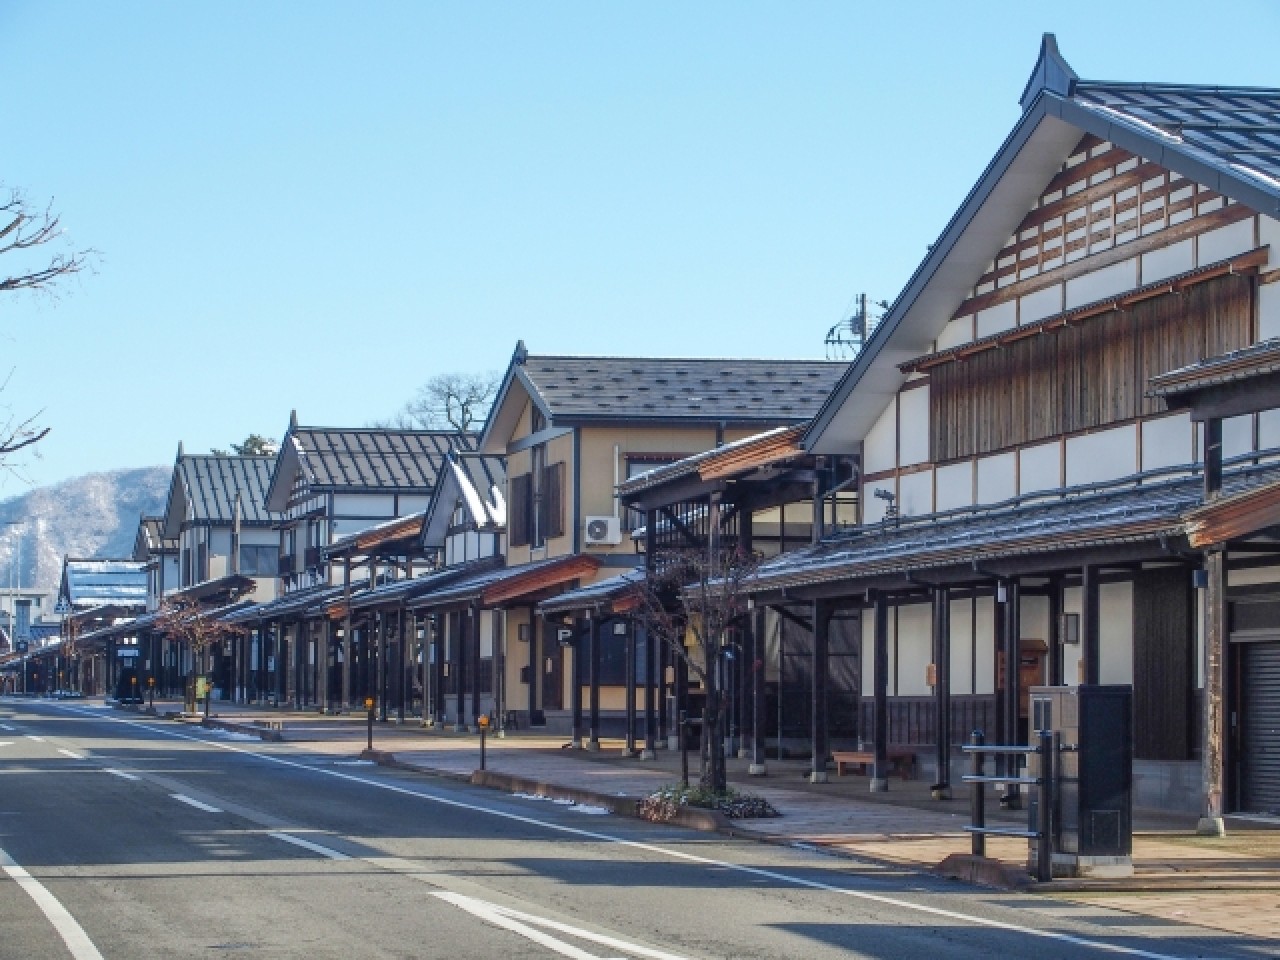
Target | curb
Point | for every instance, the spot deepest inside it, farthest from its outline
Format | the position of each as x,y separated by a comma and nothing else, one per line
275,736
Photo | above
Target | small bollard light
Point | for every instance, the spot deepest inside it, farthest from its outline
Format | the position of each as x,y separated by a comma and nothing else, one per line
483,721
151,689
368,705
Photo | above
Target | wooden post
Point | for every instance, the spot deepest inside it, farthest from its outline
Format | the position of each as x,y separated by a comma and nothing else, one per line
575,685
593,672
473,617
535,668
1214,750
818,719
438,626
652,682
880,642
1090,625
757,767
459,668
1012,699
405,661
942,690
348,646
1055,632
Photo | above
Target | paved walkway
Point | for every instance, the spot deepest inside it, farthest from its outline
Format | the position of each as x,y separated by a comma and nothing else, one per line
1230,883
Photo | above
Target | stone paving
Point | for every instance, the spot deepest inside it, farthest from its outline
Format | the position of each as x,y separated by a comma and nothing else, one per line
1230,883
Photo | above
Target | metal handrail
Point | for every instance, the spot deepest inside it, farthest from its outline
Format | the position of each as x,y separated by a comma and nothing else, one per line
1047,749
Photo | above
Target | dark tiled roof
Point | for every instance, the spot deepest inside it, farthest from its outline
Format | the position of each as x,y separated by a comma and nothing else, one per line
1256,360
401,591
1090,517
1235,129
374,459
594,594
474,587
212,482
743,391
291,604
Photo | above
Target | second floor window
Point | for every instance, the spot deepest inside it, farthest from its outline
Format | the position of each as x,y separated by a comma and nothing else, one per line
537,505
257,560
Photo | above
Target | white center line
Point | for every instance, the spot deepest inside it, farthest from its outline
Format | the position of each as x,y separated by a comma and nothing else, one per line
183,798
120,773
667,852
71,753
72,933
308,845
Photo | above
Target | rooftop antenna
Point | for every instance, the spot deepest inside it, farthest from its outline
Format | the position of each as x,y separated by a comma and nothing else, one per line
847,338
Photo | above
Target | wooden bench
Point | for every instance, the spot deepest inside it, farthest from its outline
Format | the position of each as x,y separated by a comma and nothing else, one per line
901,759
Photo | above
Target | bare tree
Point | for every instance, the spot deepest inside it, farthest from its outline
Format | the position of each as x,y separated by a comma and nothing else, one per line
457,401
186,620
30,236
693,602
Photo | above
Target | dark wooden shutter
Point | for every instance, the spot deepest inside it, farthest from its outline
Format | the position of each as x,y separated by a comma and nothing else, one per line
519,515
553,500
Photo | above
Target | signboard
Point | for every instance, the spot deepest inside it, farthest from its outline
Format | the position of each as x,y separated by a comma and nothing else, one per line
127,652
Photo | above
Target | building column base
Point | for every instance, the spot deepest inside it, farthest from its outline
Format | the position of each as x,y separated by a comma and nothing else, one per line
647,754
879,785
592,746
757,770
940,792
818,776
1211,827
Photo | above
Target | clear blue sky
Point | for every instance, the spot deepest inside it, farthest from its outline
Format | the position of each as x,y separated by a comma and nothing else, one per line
319,205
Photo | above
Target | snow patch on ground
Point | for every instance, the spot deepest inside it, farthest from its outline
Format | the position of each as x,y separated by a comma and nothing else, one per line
233,735
355,763
589,810
573,805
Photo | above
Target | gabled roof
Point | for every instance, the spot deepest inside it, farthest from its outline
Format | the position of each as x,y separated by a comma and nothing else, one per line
572,390
150,540
369,459
1225,138
475,479
205,487
398,535
96,583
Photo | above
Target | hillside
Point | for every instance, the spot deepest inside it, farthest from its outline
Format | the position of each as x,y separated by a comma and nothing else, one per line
95,515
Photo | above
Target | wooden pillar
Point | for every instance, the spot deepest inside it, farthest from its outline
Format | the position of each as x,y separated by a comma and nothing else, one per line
535,667
942,690
575,682
473,633
629,748
593,627
1214,749
821,614
1010,693
380,652
1090,626
1212,458
757,766
348,646
880,643
458,669
439,622
405,661
1055,632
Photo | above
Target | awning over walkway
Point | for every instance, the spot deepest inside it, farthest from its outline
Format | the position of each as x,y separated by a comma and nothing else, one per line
506,585
613,595
401,592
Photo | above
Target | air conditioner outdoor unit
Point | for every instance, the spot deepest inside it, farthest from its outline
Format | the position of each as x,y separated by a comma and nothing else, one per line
604,530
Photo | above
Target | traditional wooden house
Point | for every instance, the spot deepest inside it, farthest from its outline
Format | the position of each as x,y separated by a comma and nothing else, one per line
571,429
1023,495
94,596
160,558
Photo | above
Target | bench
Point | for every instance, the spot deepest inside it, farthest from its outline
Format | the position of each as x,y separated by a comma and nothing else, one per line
901,759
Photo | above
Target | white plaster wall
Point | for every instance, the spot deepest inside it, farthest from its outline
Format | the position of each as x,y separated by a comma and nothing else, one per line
1043,303
954,486
869,652
1103,283
1199,639
996,478
1104,455
486,633
1269,308
1115,613
1039,467
913,426
962,646
1237,436
1003,316
1225,241
1071,652
915,649
915,494
1034,618
1269,236
958,331
1166,261
1253,576
880,448
984,642
1168,442
363,505
412,503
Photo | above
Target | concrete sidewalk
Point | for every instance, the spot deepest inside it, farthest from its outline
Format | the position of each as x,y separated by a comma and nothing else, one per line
1230,883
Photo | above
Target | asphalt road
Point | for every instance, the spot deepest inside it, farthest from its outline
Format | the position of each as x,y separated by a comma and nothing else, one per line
123,837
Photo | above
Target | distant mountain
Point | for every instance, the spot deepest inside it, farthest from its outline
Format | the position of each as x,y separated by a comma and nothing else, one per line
95,515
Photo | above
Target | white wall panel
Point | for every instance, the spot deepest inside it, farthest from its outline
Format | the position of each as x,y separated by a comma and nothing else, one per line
1039,467
868,653
913,426
1225,241
363,505
1071,652
956,332
1033,618
1043,303
915,649
1003,316
1103,283
872,506
1237,436
962,646
880,448
1268,429
996,478
915,494
1269,308
954,486
1168,442
984,647
1105,455
1115,611
1165,262
1269,236
1253,576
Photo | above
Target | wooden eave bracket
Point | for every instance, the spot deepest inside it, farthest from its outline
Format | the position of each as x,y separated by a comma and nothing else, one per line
1239,265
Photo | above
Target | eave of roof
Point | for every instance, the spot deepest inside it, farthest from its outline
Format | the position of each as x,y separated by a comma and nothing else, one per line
604,596
510,583
1255,360
752,452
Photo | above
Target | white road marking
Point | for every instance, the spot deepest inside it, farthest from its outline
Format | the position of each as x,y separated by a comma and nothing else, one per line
32,736
119,773
6,743
183,798
1053,935
6,727
524,923
308,845
72,933
71,753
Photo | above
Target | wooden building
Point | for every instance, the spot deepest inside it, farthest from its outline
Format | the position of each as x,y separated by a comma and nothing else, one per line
1024,493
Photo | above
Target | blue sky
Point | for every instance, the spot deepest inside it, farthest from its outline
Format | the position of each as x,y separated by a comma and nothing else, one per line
319,205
